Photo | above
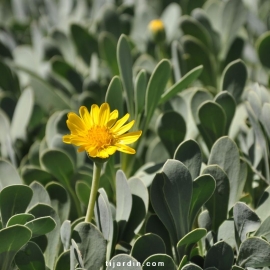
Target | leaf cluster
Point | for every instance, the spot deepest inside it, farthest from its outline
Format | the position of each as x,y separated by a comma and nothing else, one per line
196,194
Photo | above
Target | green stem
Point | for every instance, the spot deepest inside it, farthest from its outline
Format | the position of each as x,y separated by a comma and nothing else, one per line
93,194
161,51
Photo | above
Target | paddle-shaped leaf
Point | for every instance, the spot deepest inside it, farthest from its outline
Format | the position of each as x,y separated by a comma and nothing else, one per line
8,174
43,210
14,200
185,245
264,229
193,28
217,205
66,71
203,188
125,66
22,115
31,173
212,122
263,210
19,219
114,95
9,78
85,42
189,153
155,87
234,15
140,201
60,200
65,234
140,91
6,147
254,252
227,102
220,256
154,225
40,226
123,200
12,240
104,220
107,47
147,245
225,153
91,244
30,257
262,48
158,200
40,195
63,261
234,79
171,129
58,164
199,54
178,194
245,220
46,96
198,98
265,112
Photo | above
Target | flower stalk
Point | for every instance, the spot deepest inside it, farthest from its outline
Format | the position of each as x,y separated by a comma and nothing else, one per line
100,134
94,189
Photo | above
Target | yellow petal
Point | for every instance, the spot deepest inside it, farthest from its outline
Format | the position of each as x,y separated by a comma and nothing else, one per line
113,115
73,128
94,114
120,123
104,114
85,116
130,137
125,148
92,151
104,153
78,141
110,150
125,128
67,139
81,149
112,119
76,120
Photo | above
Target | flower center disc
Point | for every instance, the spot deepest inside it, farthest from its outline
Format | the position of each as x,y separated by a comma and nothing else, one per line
100,137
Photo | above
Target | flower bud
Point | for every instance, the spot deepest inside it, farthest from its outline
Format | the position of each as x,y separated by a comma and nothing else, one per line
157,31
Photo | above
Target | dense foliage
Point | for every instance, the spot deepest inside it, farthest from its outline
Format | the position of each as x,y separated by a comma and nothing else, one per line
196,195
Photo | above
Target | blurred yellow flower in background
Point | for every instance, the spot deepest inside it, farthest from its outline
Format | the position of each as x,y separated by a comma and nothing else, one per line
99,133
156,26
156,31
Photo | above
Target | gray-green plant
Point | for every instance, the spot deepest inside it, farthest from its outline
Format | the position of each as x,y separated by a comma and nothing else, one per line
196,194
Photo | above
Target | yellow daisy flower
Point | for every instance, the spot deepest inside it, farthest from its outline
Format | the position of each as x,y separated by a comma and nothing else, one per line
99,133
156,26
